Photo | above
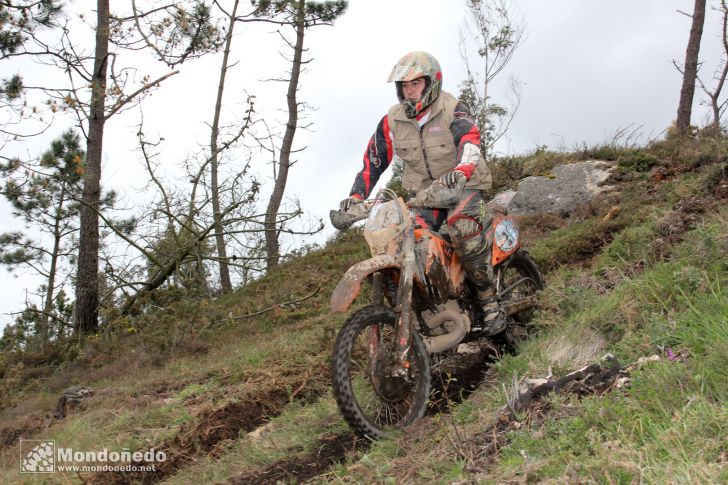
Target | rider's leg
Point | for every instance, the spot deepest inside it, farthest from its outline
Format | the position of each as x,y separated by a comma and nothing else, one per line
467,225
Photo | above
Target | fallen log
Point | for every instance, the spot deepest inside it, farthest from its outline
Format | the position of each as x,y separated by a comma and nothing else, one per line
589,380
592,379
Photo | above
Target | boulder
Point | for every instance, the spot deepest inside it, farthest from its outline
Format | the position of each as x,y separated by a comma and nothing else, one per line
566,188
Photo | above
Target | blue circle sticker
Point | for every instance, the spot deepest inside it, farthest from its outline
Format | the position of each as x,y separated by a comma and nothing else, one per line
506,235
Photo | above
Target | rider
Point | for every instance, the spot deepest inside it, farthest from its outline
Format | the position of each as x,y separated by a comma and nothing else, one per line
435,136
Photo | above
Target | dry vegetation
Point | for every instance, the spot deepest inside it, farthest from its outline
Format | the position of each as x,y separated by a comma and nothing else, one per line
236,389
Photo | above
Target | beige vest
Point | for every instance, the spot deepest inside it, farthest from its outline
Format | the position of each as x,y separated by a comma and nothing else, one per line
431,152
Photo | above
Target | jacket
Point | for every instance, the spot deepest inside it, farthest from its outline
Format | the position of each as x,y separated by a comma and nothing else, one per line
442,138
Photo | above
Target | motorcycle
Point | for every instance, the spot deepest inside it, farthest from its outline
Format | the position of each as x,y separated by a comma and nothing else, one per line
423,307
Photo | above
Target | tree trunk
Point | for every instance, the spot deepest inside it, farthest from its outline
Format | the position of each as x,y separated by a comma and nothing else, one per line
48,305
715,126
169,268
715,96
271,229
214,133
691,68
87,284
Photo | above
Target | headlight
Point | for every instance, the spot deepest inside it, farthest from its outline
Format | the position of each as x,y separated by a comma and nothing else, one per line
384,224
383,215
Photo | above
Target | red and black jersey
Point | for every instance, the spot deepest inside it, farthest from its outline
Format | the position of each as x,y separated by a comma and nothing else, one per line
380,150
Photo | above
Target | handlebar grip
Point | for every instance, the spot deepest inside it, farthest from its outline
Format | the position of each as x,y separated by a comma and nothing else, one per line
343,220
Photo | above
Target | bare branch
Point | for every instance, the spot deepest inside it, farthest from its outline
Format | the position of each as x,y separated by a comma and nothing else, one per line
265,310
126,99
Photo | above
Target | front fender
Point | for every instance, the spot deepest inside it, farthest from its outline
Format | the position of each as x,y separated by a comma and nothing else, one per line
350,284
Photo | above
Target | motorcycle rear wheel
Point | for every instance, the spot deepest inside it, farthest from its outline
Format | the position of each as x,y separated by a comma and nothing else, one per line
372,402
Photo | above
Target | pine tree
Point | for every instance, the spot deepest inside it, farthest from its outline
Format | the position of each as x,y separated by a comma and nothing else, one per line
44,195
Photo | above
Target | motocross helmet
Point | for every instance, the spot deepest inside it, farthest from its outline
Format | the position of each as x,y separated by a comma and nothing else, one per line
410,67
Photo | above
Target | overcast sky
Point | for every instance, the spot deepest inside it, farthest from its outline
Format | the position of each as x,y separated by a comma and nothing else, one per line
588,68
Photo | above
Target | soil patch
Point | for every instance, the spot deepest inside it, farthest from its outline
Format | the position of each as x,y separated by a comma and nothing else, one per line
212,432
10,435
330,449
454,379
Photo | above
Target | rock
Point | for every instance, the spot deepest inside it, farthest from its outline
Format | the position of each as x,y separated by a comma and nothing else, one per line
70,399
567,187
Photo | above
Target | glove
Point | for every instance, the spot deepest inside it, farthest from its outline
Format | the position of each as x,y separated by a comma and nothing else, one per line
451,178
346,204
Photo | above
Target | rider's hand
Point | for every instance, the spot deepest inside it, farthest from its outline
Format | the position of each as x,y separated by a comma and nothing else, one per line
347,203
451,178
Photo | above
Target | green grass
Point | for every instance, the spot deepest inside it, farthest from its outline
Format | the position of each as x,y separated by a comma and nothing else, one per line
670,425
607,291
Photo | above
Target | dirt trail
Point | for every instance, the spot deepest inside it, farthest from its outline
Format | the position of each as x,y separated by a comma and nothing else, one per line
453,380
329,450
209,435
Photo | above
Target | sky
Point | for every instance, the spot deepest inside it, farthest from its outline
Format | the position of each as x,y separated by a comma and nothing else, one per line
588,69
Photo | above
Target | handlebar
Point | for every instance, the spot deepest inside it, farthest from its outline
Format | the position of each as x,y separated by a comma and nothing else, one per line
436,196
357,212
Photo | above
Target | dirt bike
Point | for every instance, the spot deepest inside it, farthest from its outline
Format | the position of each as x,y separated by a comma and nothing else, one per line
422,307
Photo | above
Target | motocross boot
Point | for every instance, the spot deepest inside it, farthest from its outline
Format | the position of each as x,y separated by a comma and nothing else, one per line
494,320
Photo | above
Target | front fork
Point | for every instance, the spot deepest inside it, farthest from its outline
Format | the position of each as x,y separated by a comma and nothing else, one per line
377,299
404,309
404,304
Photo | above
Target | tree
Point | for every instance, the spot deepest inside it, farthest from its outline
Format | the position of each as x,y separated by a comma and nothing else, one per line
189,224
716,105
225,281
497,35
87,275
180,247
44,194
223,210
19,22
196,29
21,18
279,13
94,93
300,15
690,71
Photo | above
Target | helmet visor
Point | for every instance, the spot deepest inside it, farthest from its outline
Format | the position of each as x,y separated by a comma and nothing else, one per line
414,65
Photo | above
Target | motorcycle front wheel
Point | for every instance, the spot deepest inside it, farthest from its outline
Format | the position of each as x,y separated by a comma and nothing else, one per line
521,268
522,275
374,395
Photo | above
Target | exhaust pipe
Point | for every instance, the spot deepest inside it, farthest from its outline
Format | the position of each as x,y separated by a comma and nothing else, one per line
457,326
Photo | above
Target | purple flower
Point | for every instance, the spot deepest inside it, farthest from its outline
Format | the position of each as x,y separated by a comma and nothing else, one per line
670,355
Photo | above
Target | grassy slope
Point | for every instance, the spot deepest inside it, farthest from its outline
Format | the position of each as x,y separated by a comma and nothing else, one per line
652,277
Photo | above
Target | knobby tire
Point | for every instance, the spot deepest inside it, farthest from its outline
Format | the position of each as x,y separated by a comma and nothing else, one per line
361,420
